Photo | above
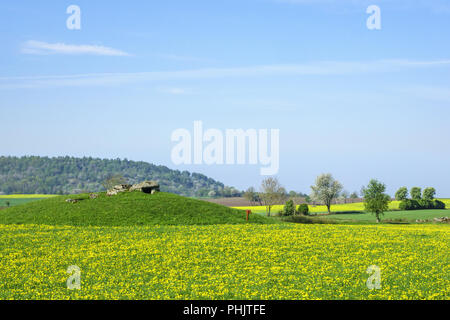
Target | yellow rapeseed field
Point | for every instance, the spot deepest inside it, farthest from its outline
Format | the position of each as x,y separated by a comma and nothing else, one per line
282,261
26,196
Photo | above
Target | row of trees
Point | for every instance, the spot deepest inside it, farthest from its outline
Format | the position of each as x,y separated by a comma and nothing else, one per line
326,189
416,194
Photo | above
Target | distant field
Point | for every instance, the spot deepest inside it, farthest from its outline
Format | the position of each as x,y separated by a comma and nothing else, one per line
349,207
18,199
394,216
27,196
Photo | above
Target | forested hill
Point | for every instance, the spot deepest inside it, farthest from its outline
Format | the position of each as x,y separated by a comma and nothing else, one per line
68,175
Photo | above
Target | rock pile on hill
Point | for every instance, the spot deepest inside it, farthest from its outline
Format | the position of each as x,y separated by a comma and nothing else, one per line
118,189
443,219
150,187
146,187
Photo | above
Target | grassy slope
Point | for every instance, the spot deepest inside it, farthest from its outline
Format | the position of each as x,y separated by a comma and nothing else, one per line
126,209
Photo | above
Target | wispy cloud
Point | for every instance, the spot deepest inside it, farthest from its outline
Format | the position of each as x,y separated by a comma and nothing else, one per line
44,48
325,68
180,58
174,91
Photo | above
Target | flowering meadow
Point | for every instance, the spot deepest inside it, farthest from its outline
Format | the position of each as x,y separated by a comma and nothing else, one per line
274,261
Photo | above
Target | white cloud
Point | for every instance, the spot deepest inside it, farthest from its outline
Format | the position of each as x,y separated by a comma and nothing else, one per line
325,68
43,48
174,91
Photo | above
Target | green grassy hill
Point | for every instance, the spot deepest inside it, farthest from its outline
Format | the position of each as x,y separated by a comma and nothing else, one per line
125,209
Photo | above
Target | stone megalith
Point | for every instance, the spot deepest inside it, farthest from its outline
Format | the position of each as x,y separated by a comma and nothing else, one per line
118,189
147,187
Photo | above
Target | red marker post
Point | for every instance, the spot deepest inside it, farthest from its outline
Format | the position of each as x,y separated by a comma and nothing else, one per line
249,212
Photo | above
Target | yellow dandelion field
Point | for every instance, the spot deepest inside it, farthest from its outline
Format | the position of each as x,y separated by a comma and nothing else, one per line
225,262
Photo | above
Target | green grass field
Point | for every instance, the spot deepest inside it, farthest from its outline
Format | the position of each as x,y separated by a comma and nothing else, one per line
163,246
125,209
390,217
18,199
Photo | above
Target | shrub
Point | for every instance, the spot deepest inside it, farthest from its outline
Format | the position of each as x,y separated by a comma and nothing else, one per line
426,204
421,204
409,205
308,220
289,208
303,209
437,204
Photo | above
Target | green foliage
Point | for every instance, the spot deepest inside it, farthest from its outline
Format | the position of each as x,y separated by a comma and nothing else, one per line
401,194
409,204
252,196
325,189
416,193
429,193
67,175
421,204
125,209
376,200
354,195
289,208
438,204
307,220
303,209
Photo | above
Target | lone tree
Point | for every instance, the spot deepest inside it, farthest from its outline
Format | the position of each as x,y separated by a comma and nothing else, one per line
416,193
272,193
376,200
429,193
401,194
326,189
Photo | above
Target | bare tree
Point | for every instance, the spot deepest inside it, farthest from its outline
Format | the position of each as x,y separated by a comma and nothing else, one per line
272,193
326,189
252,196
114,180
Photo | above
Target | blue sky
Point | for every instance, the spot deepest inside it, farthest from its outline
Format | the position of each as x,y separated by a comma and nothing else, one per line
358,103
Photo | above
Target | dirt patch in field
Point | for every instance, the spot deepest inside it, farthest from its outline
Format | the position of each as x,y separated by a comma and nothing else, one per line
231,202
